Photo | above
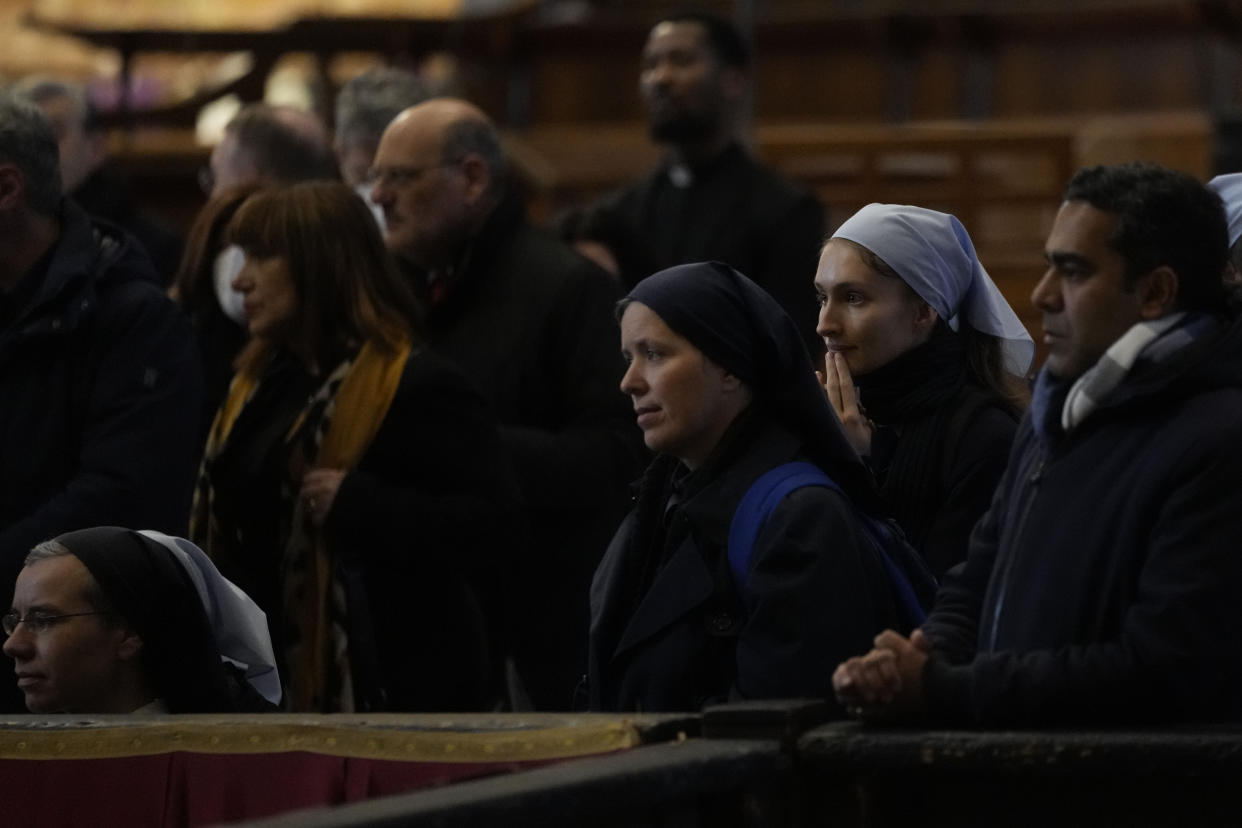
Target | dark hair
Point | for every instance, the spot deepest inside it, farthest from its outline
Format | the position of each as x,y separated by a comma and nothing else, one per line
283,147
28,142
41,90
985,358
348,288
368,103
723,38
193,286
1164,218
472,135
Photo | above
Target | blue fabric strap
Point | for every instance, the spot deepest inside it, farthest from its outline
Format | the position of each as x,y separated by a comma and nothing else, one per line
770,489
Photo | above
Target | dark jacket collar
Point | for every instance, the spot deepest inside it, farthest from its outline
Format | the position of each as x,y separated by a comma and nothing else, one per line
87,251
687,580
474,263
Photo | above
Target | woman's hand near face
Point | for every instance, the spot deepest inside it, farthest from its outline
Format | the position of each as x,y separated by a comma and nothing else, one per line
839,384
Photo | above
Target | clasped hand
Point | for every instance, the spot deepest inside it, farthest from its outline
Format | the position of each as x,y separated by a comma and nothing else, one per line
886,683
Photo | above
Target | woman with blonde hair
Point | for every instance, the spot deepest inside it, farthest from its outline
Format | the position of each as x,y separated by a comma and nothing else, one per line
353,482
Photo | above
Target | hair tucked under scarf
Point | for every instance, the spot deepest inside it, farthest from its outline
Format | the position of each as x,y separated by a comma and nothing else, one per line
1229,188
149,586
741,328
933,254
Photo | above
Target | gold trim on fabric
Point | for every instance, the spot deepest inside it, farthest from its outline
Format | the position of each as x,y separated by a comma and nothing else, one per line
369,742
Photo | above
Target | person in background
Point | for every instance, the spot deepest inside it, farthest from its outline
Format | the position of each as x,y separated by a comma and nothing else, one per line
1104,585
709,199
530,322
88,179
98,376
263,146
723,390
109,620
909,315
353,481
365,106
1229,188
201,277
267,144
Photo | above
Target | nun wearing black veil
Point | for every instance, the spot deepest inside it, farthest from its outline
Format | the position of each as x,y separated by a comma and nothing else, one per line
724,391
110,620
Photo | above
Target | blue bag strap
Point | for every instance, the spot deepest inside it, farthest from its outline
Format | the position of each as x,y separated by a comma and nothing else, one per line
757,504
768,491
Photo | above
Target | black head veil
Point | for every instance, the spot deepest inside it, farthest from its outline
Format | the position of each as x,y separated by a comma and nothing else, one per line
740,327
150,589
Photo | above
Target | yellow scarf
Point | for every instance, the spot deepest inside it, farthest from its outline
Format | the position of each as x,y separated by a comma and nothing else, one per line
317,650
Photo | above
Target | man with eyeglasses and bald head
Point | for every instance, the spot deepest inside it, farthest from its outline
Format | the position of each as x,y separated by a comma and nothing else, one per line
531,323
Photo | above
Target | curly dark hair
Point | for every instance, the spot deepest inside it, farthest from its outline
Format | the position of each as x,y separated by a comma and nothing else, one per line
1164,218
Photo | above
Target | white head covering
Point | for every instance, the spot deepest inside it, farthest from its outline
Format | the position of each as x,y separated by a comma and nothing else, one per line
933,254
237,623
1229,188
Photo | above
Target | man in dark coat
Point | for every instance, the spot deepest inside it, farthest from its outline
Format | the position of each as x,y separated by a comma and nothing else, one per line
99,384
86,176
709,199
531,322
1104,585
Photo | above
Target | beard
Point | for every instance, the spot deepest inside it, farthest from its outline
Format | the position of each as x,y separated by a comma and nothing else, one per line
683,128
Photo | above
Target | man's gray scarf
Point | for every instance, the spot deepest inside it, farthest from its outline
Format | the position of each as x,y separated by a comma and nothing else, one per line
1153,341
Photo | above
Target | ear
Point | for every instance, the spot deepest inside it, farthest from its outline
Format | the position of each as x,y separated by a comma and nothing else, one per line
130,645
729,382
1233,276
925,316
12,188
1157,292
478,177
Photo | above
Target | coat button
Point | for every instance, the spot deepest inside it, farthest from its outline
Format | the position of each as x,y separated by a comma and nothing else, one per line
721,622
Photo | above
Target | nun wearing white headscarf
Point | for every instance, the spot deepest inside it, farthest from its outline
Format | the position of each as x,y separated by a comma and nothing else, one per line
1229,188
923,366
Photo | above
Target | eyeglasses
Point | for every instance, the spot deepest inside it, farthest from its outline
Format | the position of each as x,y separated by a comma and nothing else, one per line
399,176
38,622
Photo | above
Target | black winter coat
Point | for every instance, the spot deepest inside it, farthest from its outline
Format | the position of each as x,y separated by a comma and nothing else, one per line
99,399
817,594
967,452
422,516
531,323
737,211
1105,582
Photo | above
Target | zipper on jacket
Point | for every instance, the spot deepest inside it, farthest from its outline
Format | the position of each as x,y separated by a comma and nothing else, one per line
1032,484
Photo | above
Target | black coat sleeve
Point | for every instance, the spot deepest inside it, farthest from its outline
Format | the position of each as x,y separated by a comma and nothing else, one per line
789,261
1175,656
970,483
816,594
596,447
137,424
434,481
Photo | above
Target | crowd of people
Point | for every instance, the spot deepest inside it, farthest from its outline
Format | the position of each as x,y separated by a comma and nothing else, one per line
377,443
